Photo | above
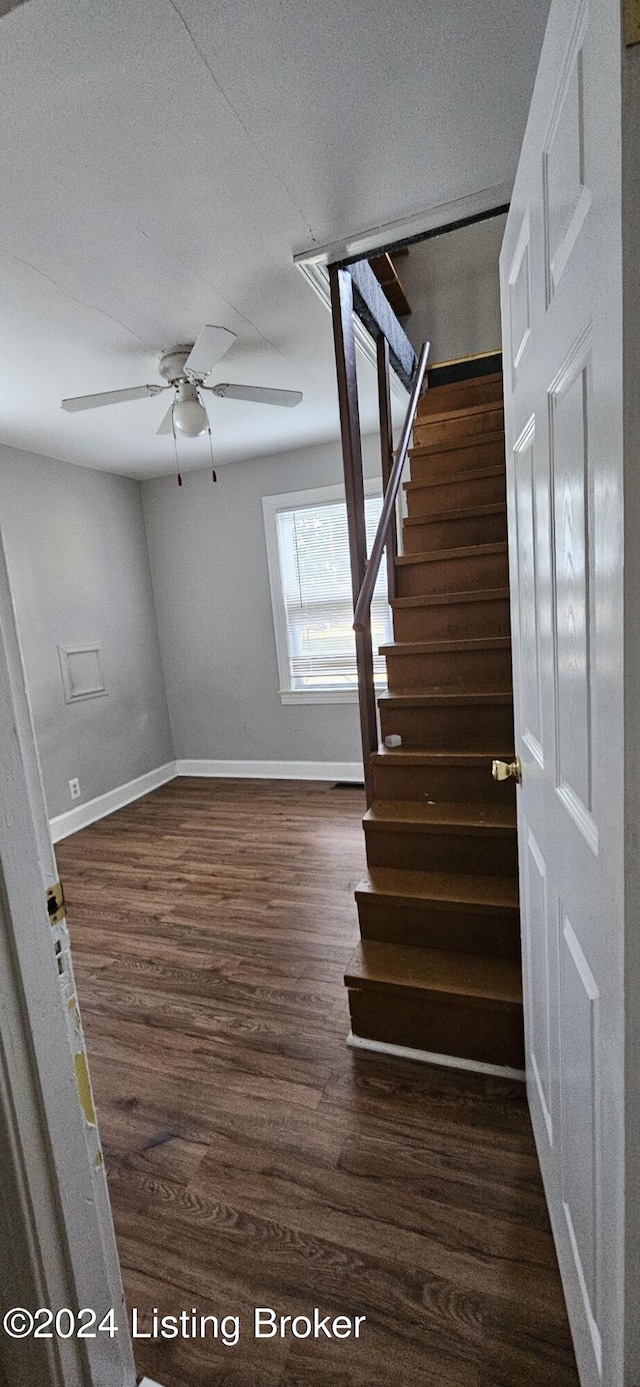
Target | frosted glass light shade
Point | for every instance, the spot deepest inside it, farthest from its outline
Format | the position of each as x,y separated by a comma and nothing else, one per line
190,417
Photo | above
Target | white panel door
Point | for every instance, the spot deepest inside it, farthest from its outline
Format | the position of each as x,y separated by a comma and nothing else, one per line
562,338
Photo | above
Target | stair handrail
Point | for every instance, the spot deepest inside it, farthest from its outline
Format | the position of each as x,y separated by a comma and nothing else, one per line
365,597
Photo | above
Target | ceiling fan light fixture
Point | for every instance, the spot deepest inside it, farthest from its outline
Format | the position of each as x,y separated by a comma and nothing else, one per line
189,414
185,369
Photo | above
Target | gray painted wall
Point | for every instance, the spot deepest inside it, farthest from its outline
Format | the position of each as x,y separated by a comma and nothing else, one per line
209,566
77,555
453,286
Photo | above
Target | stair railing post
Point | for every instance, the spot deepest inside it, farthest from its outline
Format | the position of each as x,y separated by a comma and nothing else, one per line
386,455
345,352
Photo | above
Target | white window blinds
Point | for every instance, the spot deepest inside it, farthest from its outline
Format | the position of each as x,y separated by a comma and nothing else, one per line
313,549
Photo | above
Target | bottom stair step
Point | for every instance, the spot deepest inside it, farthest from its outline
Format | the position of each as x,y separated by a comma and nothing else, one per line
446,1003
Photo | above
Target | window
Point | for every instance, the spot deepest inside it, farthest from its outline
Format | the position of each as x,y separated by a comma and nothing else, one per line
310,576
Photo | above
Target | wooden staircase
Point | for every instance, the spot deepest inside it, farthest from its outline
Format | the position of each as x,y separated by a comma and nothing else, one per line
438,965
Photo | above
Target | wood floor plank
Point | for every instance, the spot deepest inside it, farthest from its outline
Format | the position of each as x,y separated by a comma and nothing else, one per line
176,1362
252,1158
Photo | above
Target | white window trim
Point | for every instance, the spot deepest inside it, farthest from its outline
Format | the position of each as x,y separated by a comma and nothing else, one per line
271,505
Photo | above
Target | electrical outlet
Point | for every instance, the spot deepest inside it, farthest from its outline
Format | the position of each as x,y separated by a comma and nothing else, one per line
74,789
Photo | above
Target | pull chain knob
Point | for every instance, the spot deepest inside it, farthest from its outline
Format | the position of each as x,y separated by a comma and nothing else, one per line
507,770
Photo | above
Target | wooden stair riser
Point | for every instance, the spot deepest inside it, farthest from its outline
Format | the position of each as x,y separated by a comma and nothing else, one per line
484,854
443,1026
488,486
455,533
446,463
438,784
450,727
465,426
456,573
461,394
486,669
432,927
466,619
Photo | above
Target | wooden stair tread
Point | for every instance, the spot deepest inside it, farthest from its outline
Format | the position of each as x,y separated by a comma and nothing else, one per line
465,513
417,756
463,412
400,968
437,555
493,469
464,383
458,888
449,445
446,646
397,815
426,698
443,599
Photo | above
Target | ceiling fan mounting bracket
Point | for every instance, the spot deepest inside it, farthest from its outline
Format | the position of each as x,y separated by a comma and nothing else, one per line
172,363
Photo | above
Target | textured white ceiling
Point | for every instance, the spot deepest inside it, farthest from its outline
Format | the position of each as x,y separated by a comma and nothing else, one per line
160,164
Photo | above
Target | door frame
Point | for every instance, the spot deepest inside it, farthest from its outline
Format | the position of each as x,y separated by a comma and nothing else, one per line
55,1214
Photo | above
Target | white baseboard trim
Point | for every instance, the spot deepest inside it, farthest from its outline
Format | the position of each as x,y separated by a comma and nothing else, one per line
403,1052
273,770
63,825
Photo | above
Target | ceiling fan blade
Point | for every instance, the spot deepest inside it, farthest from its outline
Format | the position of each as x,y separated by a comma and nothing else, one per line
167,422
258,394
209,347
110,397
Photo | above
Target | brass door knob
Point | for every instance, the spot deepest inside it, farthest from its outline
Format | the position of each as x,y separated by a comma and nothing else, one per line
507,770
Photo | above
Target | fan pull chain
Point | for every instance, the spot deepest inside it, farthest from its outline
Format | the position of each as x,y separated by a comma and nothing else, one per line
213,474
175,448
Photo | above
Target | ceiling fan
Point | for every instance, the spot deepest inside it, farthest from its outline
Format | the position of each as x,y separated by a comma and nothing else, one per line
185,368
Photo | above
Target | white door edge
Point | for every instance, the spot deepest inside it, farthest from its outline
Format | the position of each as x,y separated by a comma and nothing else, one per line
61,1227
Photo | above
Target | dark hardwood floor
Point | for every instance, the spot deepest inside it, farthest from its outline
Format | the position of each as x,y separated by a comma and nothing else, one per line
254,1160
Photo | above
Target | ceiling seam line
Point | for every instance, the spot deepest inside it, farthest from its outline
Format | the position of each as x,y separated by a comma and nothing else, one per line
238,117
82,303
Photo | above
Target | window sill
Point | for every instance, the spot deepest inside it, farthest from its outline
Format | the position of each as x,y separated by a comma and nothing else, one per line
322,695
